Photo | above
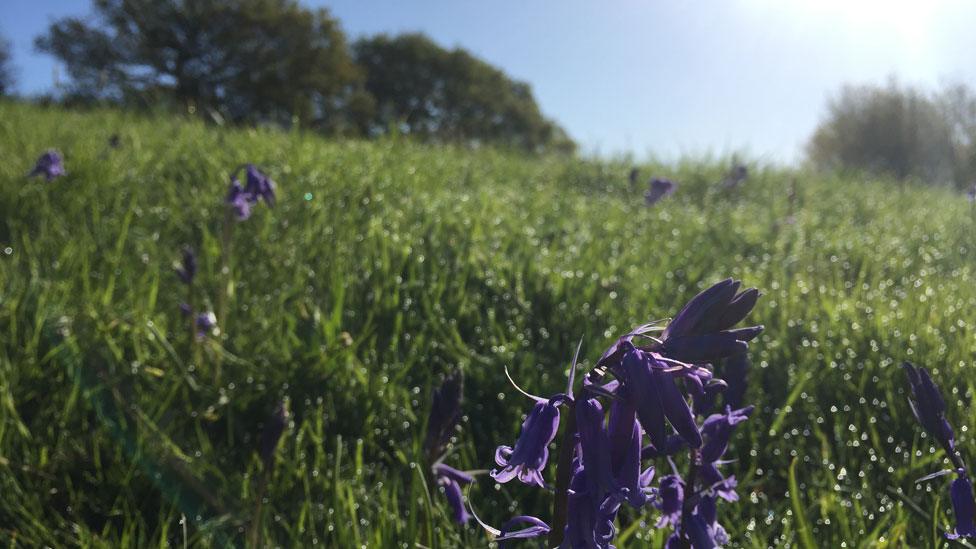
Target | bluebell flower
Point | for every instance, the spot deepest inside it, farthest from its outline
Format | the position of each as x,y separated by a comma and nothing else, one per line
589,517
625,453
658,189
928,406
445,412
259,186
531,453
963,507
702,332
205,323
451,480
50,165
735,373
594,444
237,200
717,430
654,394
671,498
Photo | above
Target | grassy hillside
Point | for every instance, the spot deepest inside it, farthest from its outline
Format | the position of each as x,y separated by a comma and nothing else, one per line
386,265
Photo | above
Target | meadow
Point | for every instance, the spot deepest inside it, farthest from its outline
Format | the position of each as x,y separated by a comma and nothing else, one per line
386,265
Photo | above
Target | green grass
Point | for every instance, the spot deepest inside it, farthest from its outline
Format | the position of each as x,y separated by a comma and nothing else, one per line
112,427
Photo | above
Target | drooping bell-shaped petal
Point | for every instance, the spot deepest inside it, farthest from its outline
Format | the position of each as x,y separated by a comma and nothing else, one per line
445,411
595,445
641,390
259,186
188,268
715,483
676,409
702,525
717,430
589,518
50,165
702,332
928,406
272,432
735,373
451,480
658,189
671,497
964,508
237,200
531,453
705,400
625,451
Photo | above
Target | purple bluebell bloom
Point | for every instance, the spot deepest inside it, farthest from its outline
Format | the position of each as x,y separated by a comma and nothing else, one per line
671,498
964,508
451,480
531,453
702,526
205,323
50,165
735,373
658,189
715,483
259,186
594,443
445,412
655,395
589,517
272,432
717,430
702,332
928,406
237,200
188,268
625,453
185,309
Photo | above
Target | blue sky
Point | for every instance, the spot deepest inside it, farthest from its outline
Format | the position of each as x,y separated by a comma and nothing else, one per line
661,78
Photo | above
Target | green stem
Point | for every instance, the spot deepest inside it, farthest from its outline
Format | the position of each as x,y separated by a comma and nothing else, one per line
564,472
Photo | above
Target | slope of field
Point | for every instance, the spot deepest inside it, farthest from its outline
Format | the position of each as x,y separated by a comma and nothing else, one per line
384,266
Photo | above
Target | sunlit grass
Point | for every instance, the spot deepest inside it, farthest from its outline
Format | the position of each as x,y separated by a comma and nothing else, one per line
387,264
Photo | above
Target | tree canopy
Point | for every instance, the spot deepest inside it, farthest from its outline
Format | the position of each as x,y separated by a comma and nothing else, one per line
425,90
248,60
899,131
6,69
256,61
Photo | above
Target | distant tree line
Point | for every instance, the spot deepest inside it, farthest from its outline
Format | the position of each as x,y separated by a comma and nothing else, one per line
277,62
900,131
6,68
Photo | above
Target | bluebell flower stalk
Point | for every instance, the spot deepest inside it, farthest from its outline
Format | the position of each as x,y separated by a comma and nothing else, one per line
445,413
929,409
663,386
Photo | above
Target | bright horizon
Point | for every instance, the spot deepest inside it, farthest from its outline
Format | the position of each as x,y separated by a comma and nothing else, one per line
745,76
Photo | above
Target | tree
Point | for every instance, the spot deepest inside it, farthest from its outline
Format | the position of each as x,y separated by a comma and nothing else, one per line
249,60
6,70
425,90
892,130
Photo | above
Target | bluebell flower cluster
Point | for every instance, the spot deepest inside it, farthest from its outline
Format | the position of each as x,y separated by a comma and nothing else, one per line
929,409
445,413
258,187
648,398
658,189
50,165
